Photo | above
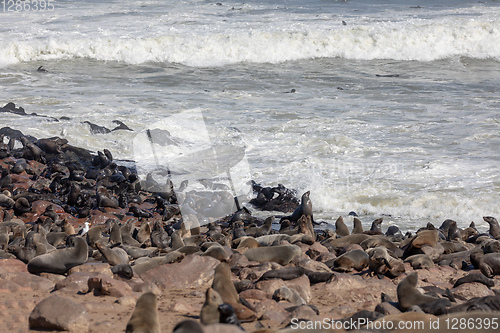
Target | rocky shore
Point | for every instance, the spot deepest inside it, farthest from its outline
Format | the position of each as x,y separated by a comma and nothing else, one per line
88,246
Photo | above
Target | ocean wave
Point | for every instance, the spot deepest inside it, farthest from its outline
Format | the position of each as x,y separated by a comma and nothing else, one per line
417,40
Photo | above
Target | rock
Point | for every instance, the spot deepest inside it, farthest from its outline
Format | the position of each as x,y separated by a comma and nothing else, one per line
106,286
192,272
76,282
470,290
302,286
28,280
269,286
254,294
316,250
92,267
59,313
270,310
12,265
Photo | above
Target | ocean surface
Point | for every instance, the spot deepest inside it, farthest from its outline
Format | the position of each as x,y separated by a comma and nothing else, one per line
386,108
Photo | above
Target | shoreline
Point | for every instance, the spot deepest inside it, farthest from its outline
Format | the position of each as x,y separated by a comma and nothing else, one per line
58,183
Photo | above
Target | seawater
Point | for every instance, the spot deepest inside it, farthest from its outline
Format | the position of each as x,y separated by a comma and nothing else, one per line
394,111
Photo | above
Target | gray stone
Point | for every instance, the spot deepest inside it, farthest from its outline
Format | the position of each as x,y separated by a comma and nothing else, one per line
59,313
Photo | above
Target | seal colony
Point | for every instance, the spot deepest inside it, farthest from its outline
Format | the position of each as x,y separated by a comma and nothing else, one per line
90,227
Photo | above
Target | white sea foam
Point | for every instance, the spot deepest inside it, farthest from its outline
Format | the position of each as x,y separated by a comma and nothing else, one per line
220,44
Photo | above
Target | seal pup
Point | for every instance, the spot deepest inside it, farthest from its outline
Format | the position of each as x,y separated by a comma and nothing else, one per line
60,261
228,315
123,270
5,200
288,294
21,206
210,311
494,227
409,295
67,227
144,319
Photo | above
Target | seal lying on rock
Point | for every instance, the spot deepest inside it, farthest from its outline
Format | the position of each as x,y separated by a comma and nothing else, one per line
281,254
60,261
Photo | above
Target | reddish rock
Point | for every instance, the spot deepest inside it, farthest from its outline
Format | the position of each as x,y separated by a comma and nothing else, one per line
38,207
92,267
254,294
76,282
316,250
12,265
192,272
28,280
302,286
238,260
7,286
471,290
269,286
59,313
270,310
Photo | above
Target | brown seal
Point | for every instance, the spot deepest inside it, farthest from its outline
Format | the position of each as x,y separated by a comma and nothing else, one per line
210,311
341,228
114,256
355,259
494,227
409,295
223,284
490,264
381,263
281,254
145,316
305,208
60,261
357,226
420,261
